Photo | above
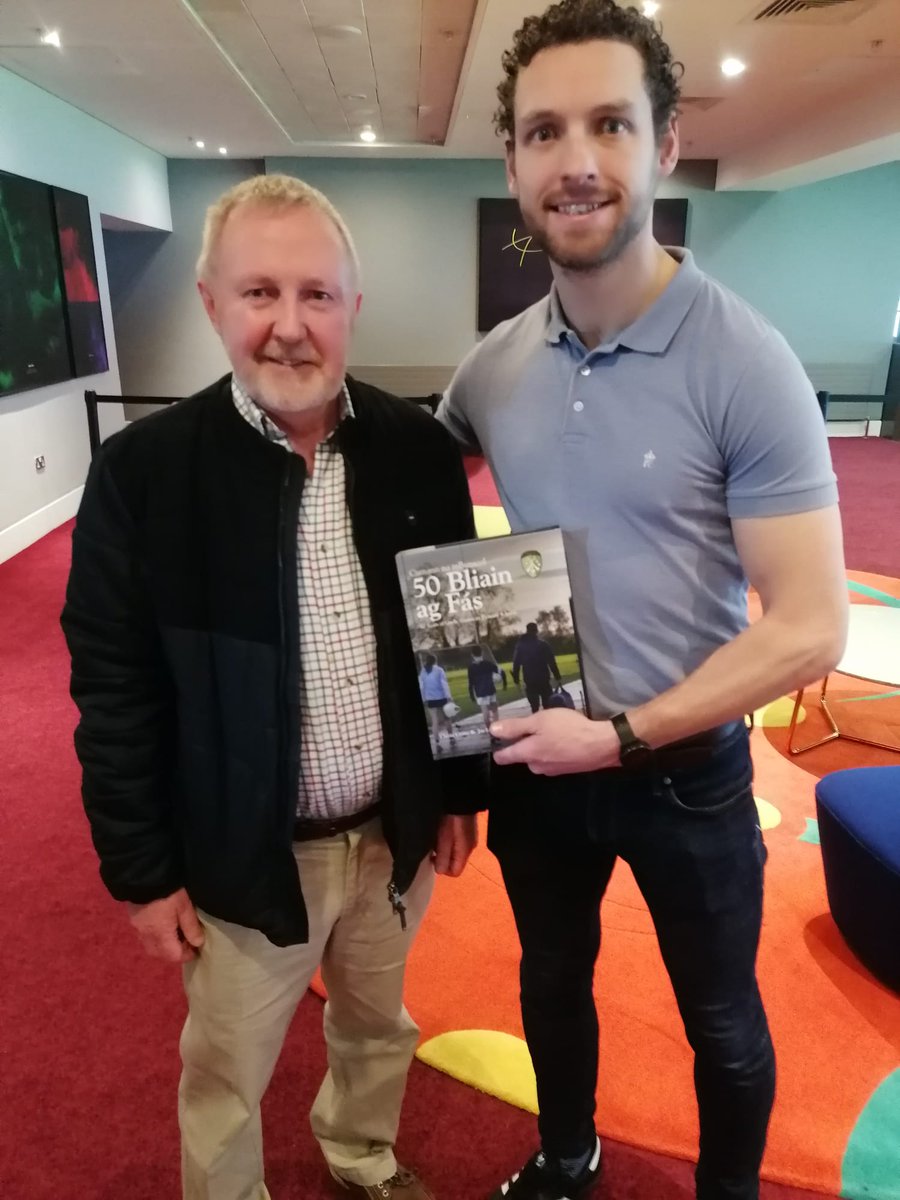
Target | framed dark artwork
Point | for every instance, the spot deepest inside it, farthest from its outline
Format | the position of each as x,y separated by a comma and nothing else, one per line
82,293
513,273
34,347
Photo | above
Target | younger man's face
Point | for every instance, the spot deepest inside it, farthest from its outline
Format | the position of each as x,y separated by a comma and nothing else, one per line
585,161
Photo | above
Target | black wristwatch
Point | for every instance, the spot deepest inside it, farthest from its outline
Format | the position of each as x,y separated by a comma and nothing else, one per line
634,754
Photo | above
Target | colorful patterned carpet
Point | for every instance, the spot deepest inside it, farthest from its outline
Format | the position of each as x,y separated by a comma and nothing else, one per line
836,1125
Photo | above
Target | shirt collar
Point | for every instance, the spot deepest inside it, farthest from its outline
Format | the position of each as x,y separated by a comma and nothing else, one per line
255,416
654,329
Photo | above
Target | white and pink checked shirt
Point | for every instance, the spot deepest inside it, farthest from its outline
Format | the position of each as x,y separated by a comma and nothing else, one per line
340,723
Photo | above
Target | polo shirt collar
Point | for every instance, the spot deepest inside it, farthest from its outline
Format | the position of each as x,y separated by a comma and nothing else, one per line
557,326
653,331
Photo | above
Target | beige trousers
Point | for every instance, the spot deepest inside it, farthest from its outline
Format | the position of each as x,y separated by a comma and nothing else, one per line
242,993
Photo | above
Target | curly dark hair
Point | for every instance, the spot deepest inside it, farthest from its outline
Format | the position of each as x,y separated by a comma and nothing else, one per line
572,21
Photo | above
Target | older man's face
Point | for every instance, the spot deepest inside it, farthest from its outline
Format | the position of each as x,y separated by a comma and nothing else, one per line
282,295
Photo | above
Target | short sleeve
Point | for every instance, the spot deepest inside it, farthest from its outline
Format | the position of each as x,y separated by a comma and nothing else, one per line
455,406
775,445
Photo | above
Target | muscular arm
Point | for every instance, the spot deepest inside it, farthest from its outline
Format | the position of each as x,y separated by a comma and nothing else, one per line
796,564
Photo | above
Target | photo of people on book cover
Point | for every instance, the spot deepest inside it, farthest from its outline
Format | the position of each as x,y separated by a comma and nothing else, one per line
493,632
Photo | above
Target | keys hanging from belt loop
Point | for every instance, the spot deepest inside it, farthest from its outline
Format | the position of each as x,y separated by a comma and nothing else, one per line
397,904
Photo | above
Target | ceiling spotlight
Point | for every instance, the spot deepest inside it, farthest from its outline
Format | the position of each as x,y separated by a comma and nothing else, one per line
733,66
368,135
200,145
651,8
223,149
51,38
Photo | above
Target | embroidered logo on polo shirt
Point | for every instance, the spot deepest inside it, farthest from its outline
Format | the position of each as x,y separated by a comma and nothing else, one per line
649,460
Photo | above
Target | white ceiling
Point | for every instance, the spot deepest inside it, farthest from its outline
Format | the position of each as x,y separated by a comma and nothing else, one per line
821,94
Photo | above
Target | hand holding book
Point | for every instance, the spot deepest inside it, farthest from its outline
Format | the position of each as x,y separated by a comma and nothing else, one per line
557,741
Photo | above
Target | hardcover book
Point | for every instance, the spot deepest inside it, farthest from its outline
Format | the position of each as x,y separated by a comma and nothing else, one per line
493,633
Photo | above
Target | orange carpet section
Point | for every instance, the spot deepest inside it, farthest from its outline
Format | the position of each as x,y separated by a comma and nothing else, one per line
836,1029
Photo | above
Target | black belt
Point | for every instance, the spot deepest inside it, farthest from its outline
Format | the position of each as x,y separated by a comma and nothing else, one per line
692,751
308,829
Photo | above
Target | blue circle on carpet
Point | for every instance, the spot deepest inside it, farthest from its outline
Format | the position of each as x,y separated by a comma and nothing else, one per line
871,1165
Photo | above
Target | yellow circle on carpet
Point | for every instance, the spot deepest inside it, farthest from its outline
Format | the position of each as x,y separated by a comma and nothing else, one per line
769,815
777,715
493,1062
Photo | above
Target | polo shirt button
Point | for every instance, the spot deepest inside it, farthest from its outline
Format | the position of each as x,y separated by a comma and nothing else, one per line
585,371
578,406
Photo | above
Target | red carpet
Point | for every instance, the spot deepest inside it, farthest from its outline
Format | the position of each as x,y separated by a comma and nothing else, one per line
89,1026
868,471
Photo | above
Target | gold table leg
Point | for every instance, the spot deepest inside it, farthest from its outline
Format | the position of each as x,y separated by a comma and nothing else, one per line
835,731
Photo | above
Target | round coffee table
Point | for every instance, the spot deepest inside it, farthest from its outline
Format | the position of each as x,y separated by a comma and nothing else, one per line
872,654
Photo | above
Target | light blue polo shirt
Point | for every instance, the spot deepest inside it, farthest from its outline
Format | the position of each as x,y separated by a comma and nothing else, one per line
643,450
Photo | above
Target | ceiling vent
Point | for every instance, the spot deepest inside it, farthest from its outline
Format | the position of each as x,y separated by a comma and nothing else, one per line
817,12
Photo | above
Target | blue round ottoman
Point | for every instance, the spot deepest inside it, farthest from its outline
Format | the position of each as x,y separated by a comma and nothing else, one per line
859,828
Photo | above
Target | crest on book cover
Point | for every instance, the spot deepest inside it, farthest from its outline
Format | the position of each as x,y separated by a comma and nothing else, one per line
532,563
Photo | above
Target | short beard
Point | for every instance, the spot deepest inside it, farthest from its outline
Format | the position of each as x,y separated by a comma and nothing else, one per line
621,239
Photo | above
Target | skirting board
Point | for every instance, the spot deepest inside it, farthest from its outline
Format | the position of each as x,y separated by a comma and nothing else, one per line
854,429
37,524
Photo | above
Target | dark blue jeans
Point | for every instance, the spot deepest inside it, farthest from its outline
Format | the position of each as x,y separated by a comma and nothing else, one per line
692,840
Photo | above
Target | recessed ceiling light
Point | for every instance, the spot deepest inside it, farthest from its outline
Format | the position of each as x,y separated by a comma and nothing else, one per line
51,38
223,149
733,66
651,8
200,145
368,135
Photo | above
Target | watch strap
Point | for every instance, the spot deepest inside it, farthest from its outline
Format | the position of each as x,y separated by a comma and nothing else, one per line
624,732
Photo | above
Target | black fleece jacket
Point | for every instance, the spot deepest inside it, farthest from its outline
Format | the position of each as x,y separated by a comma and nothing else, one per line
181,619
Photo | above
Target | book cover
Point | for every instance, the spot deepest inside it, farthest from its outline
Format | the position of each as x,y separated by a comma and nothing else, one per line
493,633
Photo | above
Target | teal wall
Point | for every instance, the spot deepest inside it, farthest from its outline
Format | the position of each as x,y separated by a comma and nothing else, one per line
822,262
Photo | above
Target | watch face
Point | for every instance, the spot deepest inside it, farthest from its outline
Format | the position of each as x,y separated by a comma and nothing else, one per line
637,754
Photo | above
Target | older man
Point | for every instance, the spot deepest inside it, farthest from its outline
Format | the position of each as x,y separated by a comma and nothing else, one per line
257,772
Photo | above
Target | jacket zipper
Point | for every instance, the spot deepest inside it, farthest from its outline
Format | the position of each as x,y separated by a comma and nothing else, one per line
397,903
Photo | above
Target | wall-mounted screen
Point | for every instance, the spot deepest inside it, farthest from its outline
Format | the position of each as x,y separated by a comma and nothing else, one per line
34,349
514,273
76,248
